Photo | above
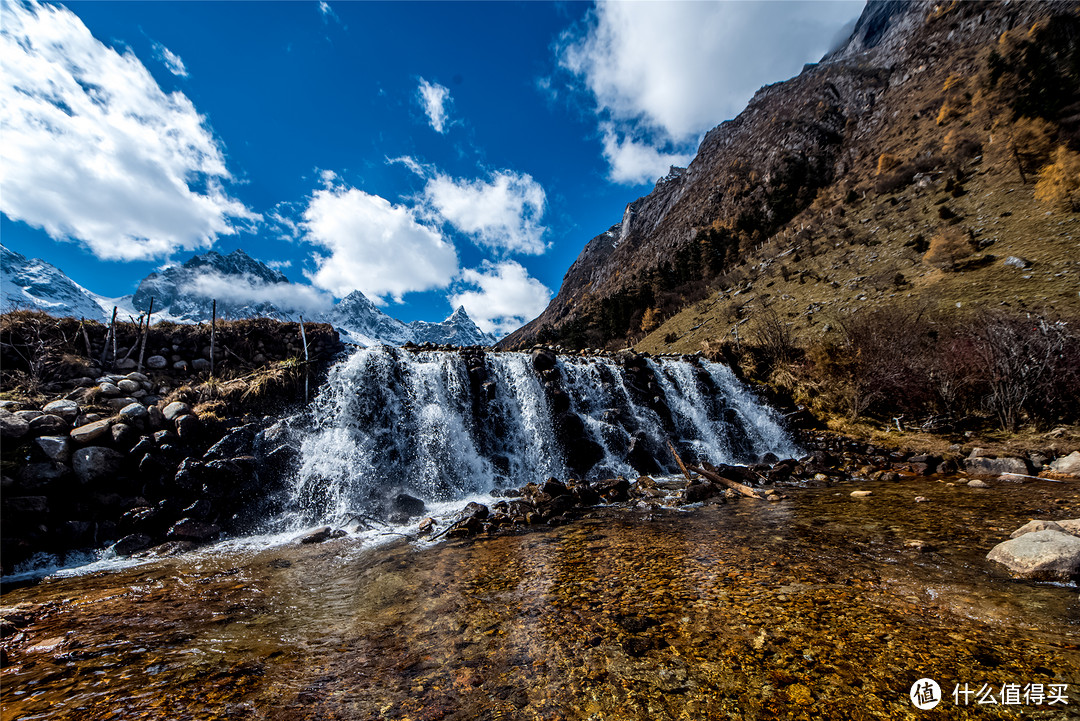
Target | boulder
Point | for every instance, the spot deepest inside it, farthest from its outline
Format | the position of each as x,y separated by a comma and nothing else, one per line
613,490
175,410
188,529
12,427
976,483
108,389
200,364
124,436
68,410
409,505
861,494
126,364
29,415
316,535
36,476
95,463
91,431
1069,464
56,448
128,386
1040,556
983,466
156,362
543,360
48,425
135,414
138,377
1033,526
132,543
189,428
26,504
121,402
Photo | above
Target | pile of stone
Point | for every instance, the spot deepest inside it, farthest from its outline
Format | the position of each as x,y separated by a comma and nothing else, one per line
124,467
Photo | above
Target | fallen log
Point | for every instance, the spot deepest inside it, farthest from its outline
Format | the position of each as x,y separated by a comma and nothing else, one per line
716,478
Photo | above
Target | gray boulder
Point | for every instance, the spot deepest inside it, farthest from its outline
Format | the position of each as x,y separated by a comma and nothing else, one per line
126,364
128,386
175,410
108,389
12,427
156,362
48,425
1040,556
995,466
96,463
135,414
1069,464
56,448
68,410
1033,526
91,431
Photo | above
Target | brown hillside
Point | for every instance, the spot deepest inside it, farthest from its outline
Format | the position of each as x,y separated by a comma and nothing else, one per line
906,168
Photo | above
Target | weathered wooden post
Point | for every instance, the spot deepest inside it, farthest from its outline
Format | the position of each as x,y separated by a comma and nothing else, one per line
303,338
213,333
146,333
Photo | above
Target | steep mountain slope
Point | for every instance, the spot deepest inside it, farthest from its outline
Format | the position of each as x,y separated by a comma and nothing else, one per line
33,283
961,98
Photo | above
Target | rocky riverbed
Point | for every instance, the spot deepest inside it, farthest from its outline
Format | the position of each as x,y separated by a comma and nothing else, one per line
817,605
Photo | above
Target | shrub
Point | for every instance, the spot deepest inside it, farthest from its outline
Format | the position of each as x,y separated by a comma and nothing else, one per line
650,320
948,247
1030,143
1059,182
887,162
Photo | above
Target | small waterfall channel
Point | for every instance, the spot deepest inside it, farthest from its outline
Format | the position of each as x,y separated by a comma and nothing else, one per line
445,425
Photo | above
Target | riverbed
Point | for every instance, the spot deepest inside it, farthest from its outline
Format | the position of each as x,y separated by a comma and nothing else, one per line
817,606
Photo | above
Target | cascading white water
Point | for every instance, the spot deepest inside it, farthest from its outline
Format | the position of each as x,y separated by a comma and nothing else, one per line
388,421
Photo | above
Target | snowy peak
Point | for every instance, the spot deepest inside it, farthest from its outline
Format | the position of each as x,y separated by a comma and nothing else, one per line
359,320
33,283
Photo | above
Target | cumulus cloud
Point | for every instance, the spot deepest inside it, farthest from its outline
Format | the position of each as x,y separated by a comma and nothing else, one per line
374,246
94,150
434,98
328,13
502,213
171,60
248,290
507,297
633,162
664,73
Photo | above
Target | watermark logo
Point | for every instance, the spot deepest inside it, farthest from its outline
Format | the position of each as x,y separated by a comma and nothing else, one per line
925,694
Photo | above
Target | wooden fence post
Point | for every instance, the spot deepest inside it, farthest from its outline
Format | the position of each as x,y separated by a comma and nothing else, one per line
213,333
146,334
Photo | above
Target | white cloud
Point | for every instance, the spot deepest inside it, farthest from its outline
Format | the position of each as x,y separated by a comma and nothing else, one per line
434,98
502,213
507,297
278,264
375,247
328,13
171,60
248,290
632,162
94,150
664,73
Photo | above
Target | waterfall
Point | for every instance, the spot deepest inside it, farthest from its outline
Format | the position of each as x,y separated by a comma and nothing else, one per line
442,425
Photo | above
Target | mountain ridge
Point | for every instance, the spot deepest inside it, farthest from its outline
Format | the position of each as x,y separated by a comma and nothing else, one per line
180,295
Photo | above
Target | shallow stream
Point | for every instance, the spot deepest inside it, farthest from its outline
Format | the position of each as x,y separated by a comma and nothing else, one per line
812,607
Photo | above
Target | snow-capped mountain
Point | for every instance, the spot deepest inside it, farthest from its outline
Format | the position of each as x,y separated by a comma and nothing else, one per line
33,283
243,288
241,285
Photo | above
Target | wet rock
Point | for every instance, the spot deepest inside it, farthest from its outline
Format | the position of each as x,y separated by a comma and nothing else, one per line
95,463
28,415
132,543
585,495
409,505
167,549
554,488
613,490
698,491
12,427
639,456
118,403
976,483
200,510
861,494
316,535
555,507
175,410
425,526
141,519
55,448
543,360
1040,556
474,510
919,545
108,389
189,529
237,442
1069,465
49,425
995,466
68,410
1033,526
162,438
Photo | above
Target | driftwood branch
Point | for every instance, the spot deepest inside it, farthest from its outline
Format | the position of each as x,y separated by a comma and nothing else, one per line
717,478
682,466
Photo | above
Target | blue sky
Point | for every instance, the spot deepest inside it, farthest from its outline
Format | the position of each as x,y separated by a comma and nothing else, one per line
428,154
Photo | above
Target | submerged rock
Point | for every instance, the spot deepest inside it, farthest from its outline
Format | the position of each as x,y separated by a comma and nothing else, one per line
995,466
317,535
1040,556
